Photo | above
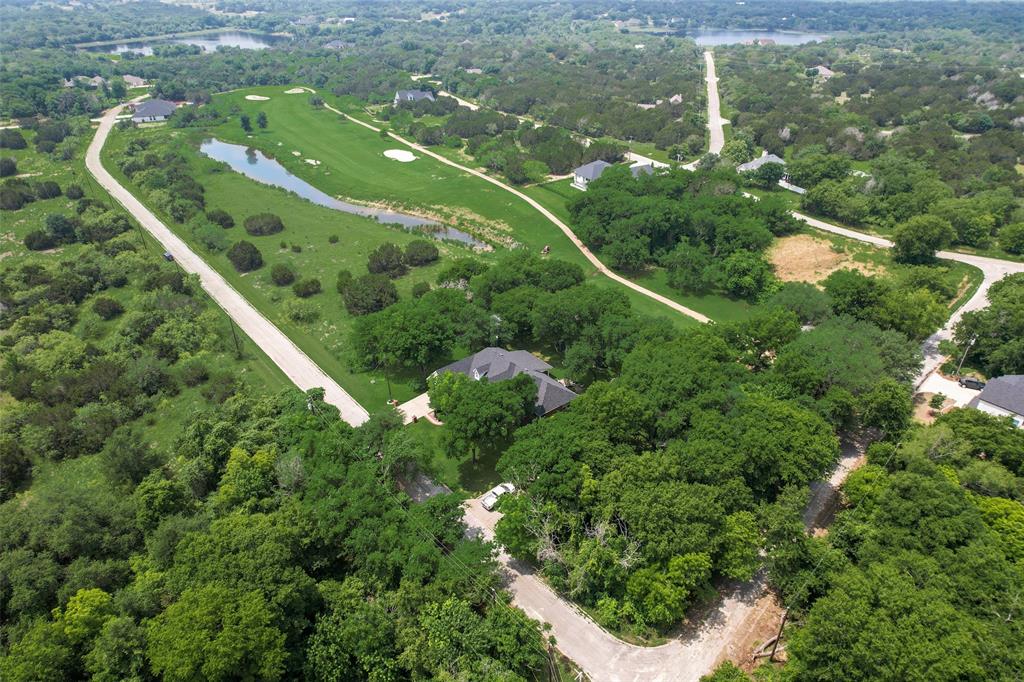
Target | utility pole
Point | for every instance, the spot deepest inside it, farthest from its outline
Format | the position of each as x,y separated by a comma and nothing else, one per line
234,335
966,351
778,637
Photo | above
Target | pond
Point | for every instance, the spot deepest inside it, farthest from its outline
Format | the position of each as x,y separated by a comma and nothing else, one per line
209,42
723,36
255,165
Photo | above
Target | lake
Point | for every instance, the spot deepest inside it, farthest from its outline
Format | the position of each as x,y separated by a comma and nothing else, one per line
706,37
209,42
255,165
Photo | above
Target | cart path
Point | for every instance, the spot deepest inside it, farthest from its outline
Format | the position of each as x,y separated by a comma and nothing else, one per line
577,242
298,367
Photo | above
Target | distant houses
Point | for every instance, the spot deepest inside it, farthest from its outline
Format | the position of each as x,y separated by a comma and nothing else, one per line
1003,397
498,364
92,82
153,110
412,96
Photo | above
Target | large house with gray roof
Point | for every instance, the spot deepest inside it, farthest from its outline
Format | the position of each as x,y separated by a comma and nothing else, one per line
498,364
587,173
760,161
1003,397
412,96
153,110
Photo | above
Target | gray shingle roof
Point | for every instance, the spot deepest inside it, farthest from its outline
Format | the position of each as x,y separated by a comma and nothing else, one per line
155,107
760,161
1006,392
645,168
592,170
498,364
413,95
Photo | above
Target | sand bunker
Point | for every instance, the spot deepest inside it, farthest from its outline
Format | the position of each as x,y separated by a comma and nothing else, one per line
296,153
312,162
257,98
400,155
295,91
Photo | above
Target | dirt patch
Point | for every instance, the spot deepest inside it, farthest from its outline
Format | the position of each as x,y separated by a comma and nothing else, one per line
760,625
804,258
923,413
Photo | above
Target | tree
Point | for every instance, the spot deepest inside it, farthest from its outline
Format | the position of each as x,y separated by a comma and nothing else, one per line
8,167
343,280
917,239
245,256
767,175
221,217
215,632
107,308
387,259
420,252
993,337
746,274
262,224
12,139
368,294
481,415
887,406
306,287
1011,238
810,303
282,274
119,652
261,120
246,123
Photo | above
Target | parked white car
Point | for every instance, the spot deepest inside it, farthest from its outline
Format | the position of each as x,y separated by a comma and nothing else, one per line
491,498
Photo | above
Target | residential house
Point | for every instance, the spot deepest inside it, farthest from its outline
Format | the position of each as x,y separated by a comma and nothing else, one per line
498,364
1003,397
133,81
153,110
760,161
824,71
585,174
412,96
641,168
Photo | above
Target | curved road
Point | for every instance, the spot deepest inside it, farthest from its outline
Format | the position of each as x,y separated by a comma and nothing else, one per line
305,373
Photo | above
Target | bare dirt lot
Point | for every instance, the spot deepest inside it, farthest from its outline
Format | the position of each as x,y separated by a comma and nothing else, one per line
805,258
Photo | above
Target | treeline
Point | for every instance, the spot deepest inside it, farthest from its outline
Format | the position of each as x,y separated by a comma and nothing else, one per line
646,490
266,539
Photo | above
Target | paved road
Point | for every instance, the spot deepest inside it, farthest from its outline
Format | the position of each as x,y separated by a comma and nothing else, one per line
715,120
282,351
577,242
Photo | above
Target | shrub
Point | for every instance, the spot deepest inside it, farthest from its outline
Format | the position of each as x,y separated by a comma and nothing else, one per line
282,274
1011,238
210,236
8,167
333,239
420,288
48,189
369,293
221,387
420,252
74,192
38,240
245,257
194,372
221,217
344,279
296,248
387,259
302,312
12,139
107,308
306,287
263,224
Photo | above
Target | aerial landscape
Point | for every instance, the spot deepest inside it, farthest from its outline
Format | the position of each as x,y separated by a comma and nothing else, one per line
527,340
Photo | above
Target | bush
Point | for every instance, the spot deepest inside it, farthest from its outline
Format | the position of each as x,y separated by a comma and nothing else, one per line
420,288
282,274
74,192
47,189
38,240
194,372
387,259
333,239
1011,238
8,167
221,217
262,224
369,293
107,308
344,279
306,287
245,257
301,312
420,252
296,248
12,139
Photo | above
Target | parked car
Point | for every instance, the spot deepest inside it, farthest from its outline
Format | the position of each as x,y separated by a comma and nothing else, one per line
971,382
491,498
168,256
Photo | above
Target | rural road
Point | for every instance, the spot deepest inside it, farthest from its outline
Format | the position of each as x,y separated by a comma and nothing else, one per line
577,242
282,351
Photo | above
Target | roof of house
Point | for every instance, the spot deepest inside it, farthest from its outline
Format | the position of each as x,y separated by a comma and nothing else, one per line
640,167
824,71
498,364
760,161
133,81
414,95
1006,392
155,107
592,170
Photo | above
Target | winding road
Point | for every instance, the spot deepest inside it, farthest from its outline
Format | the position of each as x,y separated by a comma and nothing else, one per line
303,372
603,657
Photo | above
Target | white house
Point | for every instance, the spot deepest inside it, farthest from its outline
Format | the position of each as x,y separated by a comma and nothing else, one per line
1003,397
585,174
153,110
